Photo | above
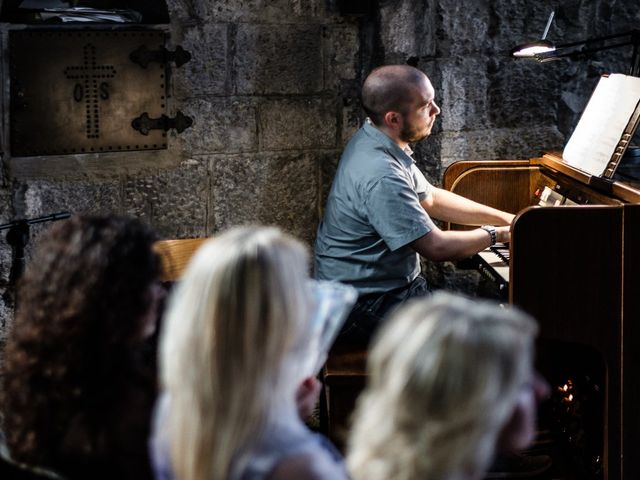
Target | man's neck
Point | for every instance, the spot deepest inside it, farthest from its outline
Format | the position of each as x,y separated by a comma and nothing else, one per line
390,134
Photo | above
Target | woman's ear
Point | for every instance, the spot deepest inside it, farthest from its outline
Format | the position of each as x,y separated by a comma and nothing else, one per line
519,431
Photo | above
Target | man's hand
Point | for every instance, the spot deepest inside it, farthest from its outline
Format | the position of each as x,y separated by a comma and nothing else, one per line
502,234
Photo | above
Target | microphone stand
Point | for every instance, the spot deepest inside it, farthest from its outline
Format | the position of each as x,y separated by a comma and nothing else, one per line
18,237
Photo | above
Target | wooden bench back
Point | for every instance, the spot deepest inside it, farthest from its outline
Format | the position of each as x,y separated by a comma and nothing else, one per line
175,256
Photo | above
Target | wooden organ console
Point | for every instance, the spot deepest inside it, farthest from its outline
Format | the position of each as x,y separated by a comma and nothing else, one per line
574,265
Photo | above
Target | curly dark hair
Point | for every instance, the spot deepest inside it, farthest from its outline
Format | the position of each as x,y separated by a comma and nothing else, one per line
73,351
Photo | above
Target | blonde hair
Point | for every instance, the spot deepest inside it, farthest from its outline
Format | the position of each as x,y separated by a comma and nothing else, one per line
444,376
231,330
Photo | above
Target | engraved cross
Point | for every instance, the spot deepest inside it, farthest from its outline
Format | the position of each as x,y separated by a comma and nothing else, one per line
88,89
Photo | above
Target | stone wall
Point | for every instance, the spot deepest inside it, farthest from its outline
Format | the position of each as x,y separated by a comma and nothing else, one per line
273,90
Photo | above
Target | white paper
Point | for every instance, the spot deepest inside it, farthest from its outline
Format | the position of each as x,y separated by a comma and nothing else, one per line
331,303
598,132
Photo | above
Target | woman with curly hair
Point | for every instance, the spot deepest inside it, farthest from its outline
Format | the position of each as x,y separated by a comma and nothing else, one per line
78,382
233,355
450,382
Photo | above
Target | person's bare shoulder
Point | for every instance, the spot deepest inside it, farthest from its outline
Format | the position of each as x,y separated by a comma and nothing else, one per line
308,466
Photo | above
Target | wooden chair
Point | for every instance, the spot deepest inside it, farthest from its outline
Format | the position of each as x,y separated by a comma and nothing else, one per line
175,256
344,378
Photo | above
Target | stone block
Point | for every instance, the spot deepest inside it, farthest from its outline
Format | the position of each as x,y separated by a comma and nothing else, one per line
6,256
6,202
328,167
264,11
407,29
267,189
462,27
95,167
41,197
283,60
520,93
352,119
174,202
35,198
499,144
445,276
6,316
220,125
207,73
462,95
186,10
341,47
293,124
427,154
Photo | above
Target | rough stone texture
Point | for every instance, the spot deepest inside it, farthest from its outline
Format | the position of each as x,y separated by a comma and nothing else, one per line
35,198
503,143
352,118
273,189
208,70
261,11
298,123
186,10
175,202
6,317
5,261
225,124
283,60
446,276
6,207
408,28
92,168
458,37
328,166
463,97
341,49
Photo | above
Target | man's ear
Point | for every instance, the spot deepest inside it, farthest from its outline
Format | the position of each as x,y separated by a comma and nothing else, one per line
393,120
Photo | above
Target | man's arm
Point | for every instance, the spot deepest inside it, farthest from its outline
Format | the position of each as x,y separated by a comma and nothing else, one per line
439,245
450,207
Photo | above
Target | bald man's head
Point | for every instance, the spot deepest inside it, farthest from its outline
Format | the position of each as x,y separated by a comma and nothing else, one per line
390,88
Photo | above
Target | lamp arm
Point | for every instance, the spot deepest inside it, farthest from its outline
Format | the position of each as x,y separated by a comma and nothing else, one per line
558,53
633,34
593,45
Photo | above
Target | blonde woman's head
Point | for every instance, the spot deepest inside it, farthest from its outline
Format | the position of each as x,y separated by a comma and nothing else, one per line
228,354
445,377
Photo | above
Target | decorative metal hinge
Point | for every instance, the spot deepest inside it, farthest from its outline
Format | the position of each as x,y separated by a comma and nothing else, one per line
143,56
144,123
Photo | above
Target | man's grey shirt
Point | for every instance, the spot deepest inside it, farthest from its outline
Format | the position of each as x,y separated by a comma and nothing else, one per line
373,212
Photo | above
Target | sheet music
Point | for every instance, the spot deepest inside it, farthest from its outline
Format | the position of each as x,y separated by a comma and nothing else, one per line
600,128
332,303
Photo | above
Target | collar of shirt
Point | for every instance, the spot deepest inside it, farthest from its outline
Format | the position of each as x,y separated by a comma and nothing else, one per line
392,148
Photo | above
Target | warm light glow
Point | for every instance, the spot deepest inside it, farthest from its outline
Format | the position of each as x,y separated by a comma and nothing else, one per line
570,398
533,50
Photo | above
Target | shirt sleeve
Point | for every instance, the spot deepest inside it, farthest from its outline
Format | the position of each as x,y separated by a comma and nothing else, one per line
393,209
423,187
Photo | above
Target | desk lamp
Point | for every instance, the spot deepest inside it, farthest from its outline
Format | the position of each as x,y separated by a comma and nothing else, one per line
545,51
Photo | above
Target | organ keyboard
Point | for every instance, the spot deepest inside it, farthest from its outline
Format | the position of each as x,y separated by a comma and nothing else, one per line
493,263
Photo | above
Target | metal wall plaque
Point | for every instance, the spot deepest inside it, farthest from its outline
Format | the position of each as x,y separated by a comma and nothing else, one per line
78,91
